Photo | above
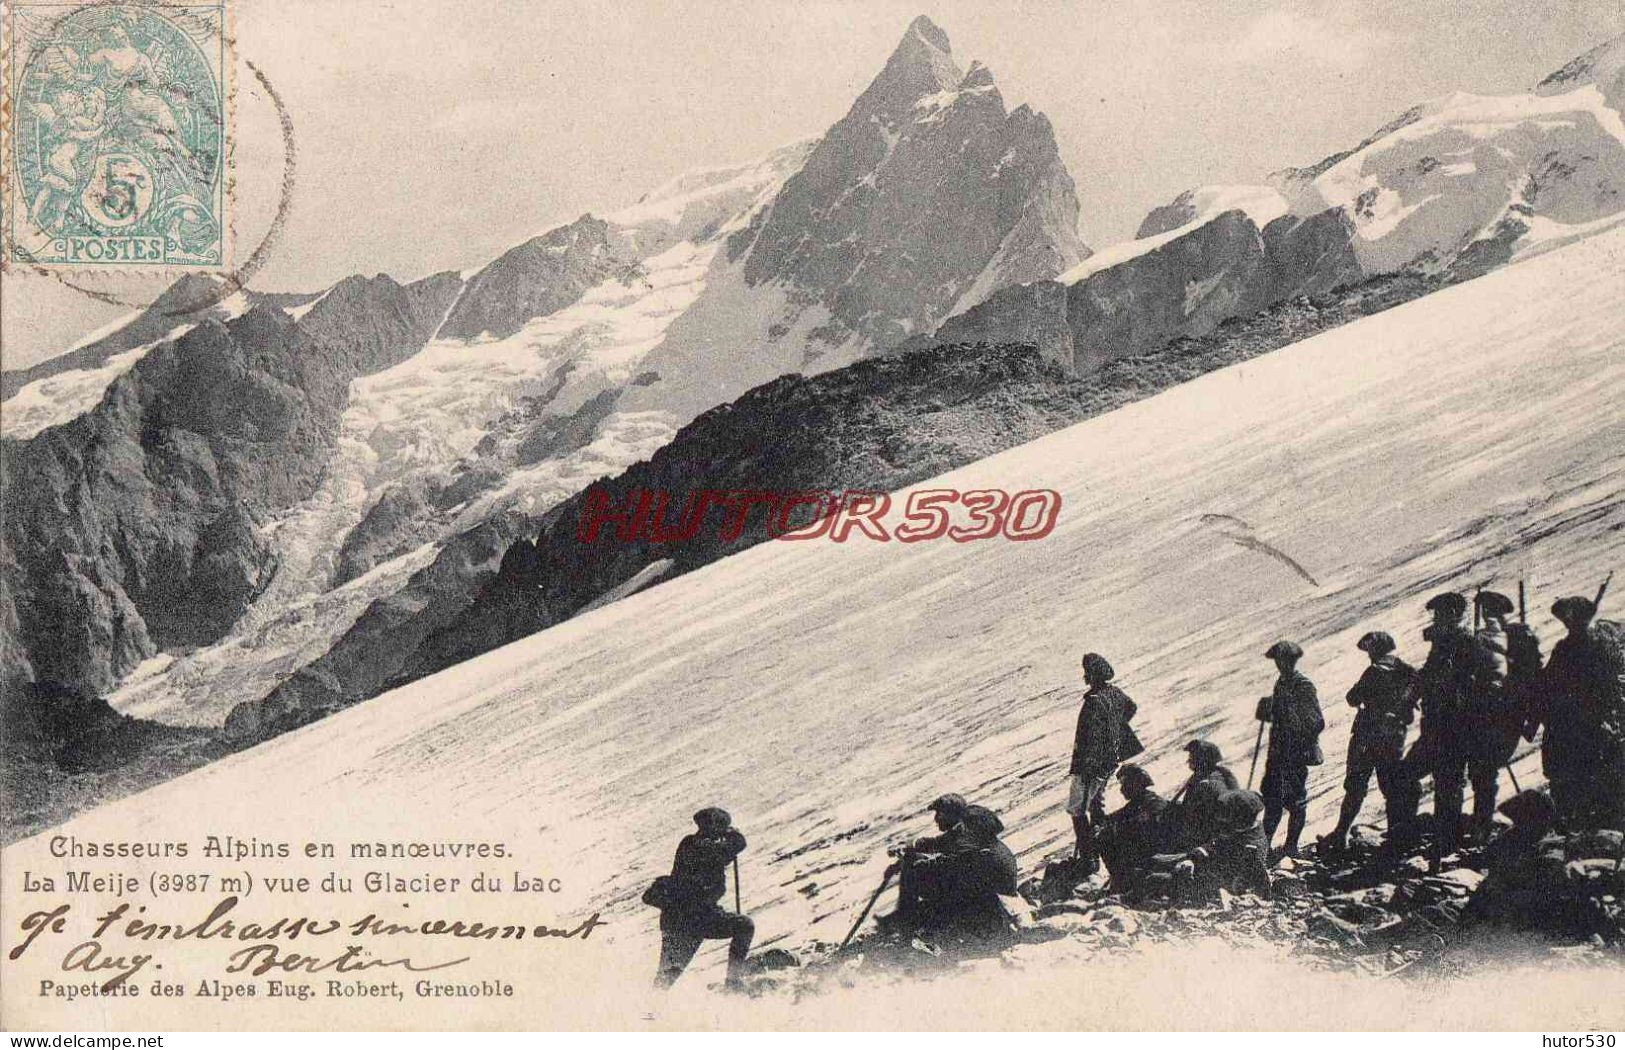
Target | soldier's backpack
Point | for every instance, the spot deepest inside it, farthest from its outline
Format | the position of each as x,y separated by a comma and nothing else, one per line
660,893
1610,634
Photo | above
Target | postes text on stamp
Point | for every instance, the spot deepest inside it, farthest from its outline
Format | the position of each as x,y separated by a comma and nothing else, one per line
117,136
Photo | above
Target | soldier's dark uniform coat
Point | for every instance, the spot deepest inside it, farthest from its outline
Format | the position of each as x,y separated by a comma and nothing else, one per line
1294,740
1575,699
1133,834
693,912
1195,818
1445,686
1386,706
1097,747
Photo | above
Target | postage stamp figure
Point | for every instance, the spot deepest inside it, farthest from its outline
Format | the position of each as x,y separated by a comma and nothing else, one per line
117,125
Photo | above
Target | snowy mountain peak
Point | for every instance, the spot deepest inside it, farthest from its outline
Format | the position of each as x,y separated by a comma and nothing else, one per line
923,64
931,33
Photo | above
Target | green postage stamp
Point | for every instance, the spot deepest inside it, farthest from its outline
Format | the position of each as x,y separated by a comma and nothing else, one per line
116,125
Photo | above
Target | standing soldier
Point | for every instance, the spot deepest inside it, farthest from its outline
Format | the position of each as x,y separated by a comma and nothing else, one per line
1293,708
691,911
1574,697
1444,686
1103,739
1385,708
1494,715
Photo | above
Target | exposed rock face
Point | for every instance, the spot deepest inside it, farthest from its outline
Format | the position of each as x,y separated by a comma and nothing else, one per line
135,527
534,279
386,636
924,197
189,300
1199,275
1603,66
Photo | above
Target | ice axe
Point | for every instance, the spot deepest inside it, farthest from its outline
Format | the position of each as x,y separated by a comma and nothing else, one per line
1257,744
864,914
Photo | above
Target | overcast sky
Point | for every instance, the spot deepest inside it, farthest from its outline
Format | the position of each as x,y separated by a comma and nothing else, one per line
432,135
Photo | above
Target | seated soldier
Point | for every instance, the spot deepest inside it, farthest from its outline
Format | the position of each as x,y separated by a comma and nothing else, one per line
970,881
917,864
1195,813
1234,860
1522,868
1132,835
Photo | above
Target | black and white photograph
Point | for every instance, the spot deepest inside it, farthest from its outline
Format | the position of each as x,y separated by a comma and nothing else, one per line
536,515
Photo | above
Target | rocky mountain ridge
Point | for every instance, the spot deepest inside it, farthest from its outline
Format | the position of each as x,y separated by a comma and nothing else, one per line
238,482
1460,184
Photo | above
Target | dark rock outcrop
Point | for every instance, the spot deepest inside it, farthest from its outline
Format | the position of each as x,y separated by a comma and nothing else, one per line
134,527
373,650
190,299
532,280
1224,268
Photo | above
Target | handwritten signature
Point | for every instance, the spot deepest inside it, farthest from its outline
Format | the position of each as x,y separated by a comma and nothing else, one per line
93,956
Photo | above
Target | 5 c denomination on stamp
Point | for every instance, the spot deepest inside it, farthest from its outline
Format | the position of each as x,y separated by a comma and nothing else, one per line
116,135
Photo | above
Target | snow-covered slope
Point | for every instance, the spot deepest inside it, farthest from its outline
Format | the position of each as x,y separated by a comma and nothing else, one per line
825,692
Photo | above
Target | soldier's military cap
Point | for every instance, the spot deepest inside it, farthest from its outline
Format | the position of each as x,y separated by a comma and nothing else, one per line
1450,603
1238,809
1207,750
1289,650
950,805
1098,668
1574,608
1494,603
713,817
984,820
1529,805
1378,642
1130,772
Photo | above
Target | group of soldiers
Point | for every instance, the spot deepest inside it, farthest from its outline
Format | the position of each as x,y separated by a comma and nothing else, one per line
1479,692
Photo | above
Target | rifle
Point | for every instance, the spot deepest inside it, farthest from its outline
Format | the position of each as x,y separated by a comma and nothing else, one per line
1523,610
1597,602
738,908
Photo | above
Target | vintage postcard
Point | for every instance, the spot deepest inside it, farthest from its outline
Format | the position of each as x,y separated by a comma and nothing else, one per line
812,515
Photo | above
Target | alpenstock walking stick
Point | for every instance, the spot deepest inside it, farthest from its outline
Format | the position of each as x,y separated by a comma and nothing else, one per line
1256,745
864,914
738,907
